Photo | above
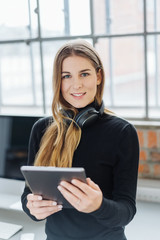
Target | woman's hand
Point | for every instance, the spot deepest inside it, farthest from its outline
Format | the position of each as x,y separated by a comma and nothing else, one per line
84,197
41,208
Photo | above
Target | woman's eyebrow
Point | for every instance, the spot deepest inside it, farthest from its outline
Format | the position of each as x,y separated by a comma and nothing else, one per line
64,72
84,70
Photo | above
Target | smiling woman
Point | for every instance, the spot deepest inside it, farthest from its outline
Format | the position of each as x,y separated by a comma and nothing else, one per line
79,81
106,147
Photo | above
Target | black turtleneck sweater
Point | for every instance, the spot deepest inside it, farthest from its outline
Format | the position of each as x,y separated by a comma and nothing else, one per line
109,152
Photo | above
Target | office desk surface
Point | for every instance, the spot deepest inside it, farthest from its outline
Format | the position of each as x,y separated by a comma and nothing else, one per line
146,223
29,226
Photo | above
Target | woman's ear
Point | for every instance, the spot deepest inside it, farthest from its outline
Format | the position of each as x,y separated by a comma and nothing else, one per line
99,77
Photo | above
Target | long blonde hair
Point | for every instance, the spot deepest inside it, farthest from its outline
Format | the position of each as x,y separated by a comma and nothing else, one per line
60,140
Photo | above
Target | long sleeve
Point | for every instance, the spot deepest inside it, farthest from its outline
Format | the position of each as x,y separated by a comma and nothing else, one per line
121,209
32,150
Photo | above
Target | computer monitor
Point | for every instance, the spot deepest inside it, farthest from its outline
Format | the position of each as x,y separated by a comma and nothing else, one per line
14,138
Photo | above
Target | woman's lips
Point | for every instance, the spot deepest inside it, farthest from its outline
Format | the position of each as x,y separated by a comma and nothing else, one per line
78,94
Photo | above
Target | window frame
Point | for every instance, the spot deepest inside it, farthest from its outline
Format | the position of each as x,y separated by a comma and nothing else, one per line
94,37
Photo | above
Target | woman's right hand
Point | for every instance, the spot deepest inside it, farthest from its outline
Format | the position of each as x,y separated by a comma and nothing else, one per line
40,208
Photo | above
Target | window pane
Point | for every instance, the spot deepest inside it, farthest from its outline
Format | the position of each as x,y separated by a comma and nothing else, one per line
79,12
115,17
20,78
49,51
153,15
128,71
33,19
126,75
14,20
58,19
154,76
100,18
102,47
52,17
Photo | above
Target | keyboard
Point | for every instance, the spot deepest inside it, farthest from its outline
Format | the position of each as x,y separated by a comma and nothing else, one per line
7,230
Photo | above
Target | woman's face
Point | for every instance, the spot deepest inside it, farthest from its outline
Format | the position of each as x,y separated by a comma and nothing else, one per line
79,81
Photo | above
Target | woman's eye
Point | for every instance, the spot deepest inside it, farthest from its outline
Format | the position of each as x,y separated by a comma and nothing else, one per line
84,74
66,76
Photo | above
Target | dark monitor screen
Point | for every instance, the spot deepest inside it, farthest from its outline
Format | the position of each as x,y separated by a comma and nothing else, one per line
14,138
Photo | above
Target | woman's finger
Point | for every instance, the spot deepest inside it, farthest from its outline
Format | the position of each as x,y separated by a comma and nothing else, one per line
69,196
92,184
43,203
73,189
46,209
33,197
86,188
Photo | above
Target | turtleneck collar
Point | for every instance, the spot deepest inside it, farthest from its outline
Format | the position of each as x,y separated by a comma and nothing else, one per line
92,104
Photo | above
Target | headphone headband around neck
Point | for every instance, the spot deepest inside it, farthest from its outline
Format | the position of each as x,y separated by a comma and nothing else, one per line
86,116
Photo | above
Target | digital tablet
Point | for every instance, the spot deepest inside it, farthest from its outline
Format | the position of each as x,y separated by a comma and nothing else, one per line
45,180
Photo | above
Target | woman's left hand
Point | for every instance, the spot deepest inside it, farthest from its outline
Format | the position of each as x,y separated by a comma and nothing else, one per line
85,197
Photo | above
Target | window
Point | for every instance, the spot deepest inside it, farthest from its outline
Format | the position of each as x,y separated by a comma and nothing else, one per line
126,34
125,74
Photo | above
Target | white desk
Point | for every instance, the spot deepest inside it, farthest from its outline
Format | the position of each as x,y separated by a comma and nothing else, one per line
10,193
20,218
146,223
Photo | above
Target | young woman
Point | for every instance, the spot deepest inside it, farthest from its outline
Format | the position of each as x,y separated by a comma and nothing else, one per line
81,133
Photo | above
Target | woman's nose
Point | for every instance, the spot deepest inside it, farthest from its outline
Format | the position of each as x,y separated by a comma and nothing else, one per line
77,83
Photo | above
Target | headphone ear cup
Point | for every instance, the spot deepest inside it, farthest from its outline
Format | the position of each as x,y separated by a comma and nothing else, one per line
86,117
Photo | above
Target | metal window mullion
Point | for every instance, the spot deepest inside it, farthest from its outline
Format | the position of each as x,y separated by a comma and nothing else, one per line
0,87
41,58
108,31
92,35
156,53
66,18
145,59
31,56
115,107
77,36
112,90
27,40
158,82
